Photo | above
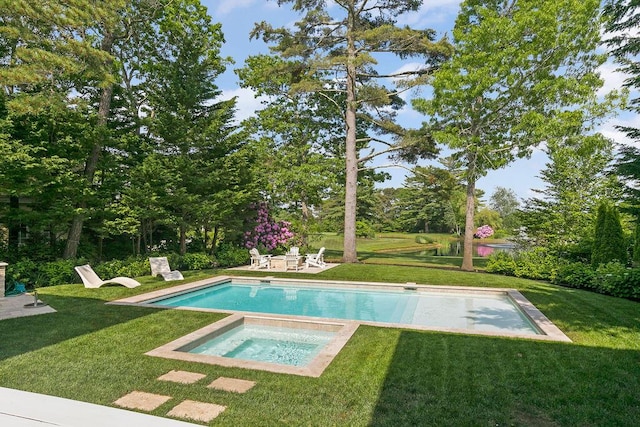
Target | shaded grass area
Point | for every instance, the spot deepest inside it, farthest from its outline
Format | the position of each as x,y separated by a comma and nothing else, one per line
94,352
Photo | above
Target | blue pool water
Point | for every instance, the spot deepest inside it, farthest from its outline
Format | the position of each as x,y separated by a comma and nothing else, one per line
476,312
281,345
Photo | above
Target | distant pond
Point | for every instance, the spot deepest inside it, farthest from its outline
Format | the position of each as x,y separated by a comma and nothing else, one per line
456,249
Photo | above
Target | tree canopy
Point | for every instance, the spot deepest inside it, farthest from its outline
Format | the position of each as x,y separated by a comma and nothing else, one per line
327,54
523,72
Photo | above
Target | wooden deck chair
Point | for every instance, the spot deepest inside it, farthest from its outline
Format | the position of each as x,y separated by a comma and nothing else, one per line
259,261
92,280
160,267
316,260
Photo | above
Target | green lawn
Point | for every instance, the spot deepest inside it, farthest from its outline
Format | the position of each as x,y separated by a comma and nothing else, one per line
94,352
396,249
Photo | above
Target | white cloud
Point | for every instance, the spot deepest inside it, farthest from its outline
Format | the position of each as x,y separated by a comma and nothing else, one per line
610,130
613,79
439,14
247,103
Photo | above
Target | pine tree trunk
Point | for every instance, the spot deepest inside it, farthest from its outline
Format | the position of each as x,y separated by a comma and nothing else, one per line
350,254
75,231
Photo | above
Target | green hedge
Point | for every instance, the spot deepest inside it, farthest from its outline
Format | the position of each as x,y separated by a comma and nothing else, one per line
40,274
611,278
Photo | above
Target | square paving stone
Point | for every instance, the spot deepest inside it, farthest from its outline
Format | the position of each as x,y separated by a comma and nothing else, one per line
232,384
142,400
182,377
197,411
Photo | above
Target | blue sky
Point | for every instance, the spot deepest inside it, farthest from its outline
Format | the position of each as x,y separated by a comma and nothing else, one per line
239,16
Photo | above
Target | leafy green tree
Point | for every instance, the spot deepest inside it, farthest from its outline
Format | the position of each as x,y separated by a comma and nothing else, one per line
490,217
623,18
427,200
300,137
327,54
523,72
576,180
51,52
387,210
609,244
191,133
505,202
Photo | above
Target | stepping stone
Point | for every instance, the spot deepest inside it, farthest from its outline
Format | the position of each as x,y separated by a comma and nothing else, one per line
232,384
182,377
142,400
197,411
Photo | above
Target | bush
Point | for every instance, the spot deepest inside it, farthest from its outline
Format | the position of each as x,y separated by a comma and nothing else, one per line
195,261
630,286
365,230
25,271
228,255
57,273
501,262
130,267
42,274
576,275
609,278
536,264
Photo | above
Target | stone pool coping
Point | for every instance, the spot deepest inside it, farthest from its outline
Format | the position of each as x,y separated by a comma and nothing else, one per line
179,348
549,331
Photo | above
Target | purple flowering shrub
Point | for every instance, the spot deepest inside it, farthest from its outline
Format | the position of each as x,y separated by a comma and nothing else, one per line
267,233
483,232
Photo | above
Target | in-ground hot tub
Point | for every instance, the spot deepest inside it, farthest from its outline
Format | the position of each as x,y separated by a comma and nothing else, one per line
288,346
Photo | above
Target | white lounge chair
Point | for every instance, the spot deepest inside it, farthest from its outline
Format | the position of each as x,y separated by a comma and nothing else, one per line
259,261
316,260
292,261
92,280
160,267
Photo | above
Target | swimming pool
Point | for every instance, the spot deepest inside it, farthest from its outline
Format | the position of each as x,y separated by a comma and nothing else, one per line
489,311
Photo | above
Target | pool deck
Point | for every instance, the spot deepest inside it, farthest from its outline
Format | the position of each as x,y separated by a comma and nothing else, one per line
25,409
302,269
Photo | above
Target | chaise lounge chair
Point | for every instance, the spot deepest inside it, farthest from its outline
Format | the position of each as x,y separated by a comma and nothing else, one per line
92,280
316,260
160,267
259,261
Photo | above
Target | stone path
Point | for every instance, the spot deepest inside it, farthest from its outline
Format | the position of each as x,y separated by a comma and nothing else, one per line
188,409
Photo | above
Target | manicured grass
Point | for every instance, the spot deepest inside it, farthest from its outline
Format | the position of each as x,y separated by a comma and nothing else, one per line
397,249
384,377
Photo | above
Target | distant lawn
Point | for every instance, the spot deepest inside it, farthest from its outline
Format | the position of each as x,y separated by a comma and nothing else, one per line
94,352
397,249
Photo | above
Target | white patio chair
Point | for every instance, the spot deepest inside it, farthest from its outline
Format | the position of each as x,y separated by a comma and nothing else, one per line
92,280
160,267
259,261
292,261
316,260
